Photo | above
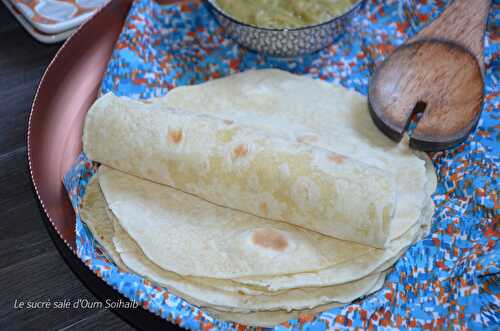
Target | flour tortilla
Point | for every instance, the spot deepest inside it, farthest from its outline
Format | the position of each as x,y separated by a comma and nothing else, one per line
291,120
314,112
127,251
348,271
270,83
158,218
272,318
363,265
294,299
288,106
244,168
94,213
206,240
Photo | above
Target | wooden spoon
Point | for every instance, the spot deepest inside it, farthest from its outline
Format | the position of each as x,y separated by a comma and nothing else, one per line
438,72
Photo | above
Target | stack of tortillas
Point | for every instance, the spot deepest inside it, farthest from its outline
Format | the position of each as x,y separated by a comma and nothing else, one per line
259,197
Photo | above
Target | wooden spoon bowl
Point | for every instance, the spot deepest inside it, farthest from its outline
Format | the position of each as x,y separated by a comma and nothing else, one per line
441,79
438,73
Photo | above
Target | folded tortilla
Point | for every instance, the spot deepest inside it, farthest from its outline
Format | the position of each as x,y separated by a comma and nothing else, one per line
237,265
192,237
206,292
315,112
244,168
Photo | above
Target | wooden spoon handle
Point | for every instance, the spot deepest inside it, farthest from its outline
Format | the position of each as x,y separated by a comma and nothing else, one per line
463,22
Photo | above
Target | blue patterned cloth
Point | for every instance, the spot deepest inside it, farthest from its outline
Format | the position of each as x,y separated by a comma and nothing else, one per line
448,280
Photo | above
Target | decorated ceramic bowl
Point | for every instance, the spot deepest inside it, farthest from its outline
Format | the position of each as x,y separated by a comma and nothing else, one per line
285,42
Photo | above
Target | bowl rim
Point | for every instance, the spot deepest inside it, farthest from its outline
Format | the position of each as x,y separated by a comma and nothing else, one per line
214,7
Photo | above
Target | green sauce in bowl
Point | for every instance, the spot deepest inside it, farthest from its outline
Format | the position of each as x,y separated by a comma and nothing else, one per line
282,14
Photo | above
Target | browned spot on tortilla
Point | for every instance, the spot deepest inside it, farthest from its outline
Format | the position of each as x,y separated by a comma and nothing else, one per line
175,136
147,101
264,210
268,238
240,151
228,122
337,158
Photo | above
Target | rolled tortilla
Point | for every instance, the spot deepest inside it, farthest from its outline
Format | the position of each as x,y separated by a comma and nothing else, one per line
244,168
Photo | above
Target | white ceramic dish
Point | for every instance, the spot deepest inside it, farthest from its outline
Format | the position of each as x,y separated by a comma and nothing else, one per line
41,37
56,16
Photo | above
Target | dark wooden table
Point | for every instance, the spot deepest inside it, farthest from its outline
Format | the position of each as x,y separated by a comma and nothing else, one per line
31,269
